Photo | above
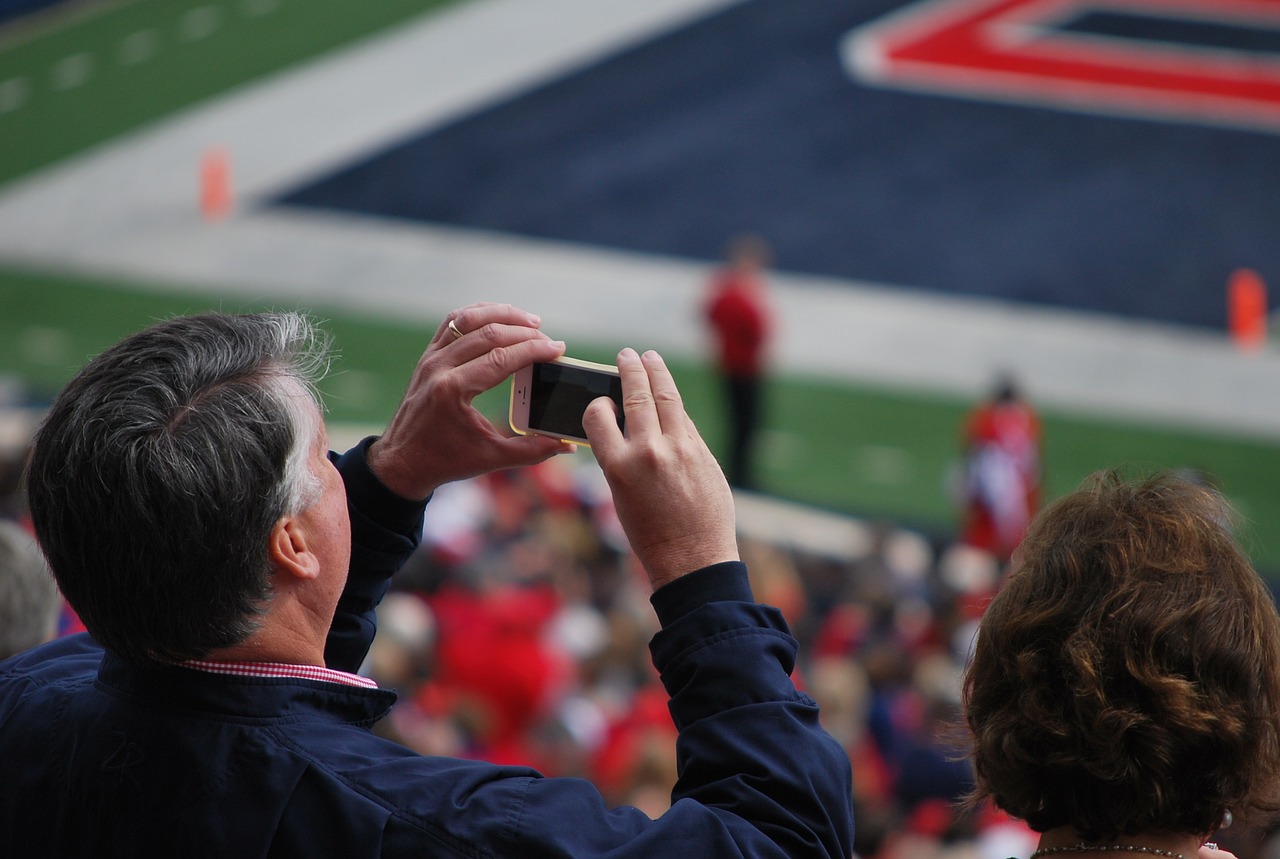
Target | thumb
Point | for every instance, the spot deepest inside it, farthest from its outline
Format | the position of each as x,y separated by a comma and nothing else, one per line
600,421
533,449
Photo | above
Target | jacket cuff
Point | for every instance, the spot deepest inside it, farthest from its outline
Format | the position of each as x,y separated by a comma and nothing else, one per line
723,582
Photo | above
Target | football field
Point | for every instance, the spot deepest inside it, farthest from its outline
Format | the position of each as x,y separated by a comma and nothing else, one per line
108,110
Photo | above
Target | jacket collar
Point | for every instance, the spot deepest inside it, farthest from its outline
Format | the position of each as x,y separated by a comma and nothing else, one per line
266,698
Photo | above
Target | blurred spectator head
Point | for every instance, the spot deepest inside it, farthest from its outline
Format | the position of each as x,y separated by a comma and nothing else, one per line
401,652
749,252
840,688
29,601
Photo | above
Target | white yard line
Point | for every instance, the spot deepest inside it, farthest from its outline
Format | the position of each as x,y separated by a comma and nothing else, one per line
129,209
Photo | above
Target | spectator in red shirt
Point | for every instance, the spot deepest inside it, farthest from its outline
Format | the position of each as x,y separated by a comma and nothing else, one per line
740,318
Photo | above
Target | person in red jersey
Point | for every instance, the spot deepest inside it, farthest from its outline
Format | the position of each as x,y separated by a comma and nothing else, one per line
740,318
1002,441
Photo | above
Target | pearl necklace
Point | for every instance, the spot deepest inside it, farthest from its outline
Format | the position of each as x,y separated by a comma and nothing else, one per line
1103,848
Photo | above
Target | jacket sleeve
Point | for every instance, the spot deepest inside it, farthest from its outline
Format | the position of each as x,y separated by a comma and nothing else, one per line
385,531
758,776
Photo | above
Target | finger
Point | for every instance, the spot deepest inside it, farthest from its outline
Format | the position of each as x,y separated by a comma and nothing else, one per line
666,396
637,396
445,331
474,317
600,422
489,359
488,338
532,449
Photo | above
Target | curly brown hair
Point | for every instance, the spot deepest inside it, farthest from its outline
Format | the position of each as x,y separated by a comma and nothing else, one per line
1126,678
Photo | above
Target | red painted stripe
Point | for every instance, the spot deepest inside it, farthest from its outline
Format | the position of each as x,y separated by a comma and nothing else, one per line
1008,49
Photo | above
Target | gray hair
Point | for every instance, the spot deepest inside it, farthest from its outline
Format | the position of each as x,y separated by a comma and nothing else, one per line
29,600
161,468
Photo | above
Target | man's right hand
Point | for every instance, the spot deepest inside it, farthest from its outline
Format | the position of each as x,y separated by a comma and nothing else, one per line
437,435
670,493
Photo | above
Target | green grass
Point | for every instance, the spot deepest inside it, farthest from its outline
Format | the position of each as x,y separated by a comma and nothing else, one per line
85,73
858,449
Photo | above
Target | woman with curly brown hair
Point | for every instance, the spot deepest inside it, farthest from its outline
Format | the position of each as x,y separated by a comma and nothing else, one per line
1124,693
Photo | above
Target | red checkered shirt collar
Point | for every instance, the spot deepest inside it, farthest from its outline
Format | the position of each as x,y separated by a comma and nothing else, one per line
280,670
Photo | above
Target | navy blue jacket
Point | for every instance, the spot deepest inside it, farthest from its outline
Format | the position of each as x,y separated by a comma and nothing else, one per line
101,757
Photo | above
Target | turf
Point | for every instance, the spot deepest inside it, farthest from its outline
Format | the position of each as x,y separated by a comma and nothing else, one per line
84,73
862,450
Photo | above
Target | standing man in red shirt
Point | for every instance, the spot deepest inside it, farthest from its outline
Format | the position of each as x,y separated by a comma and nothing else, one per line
740,318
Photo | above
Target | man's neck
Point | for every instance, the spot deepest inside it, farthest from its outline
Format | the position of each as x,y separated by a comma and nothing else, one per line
274,642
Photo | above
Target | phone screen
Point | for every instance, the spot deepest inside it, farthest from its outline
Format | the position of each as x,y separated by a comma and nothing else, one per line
559,394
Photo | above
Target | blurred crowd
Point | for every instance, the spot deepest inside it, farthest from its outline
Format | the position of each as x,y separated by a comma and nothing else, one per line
518,634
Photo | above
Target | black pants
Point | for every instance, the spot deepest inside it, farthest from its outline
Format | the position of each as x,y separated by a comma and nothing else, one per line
744,398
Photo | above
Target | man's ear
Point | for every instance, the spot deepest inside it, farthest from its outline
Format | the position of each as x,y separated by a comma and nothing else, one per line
289,550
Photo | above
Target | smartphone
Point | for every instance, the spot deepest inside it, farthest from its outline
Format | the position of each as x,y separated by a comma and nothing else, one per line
550,398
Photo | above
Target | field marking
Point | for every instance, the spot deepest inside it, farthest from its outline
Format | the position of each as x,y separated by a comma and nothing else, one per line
72,71
200,23
1013,51
138,47
55,19
82,68
13,94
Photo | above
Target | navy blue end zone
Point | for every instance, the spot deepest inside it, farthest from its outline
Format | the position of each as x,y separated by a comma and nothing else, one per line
748,121
12,9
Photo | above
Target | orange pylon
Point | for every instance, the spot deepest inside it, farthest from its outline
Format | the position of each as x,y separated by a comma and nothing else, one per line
215,184
1247,309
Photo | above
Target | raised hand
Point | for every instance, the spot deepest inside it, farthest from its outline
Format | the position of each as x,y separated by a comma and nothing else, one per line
437,435
670,493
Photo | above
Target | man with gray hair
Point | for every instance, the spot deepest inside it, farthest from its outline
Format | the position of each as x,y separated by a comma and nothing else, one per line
28,598
227,568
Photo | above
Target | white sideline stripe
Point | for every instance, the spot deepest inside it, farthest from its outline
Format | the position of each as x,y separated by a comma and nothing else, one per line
129,209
